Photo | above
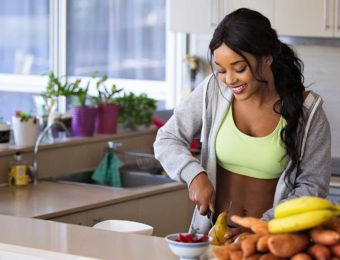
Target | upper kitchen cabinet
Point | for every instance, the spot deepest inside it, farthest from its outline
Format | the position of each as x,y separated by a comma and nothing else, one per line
307,18
265,7
196,16
202,16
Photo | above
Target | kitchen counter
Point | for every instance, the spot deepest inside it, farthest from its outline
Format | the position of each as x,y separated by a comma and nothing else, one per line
59,239
52,199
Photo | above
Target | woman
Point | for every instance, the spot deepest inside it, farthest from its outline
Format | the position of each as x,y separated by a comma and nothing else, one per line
264,137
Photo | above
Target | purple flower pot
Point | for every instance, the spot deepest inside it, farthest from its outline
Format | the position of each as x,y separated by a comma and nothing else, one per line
107,117
83,121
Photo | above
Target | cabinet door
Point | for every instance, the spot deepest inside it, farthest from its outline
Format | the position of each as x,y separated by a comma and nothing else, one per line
195,16
337,19
168,213
125,210
76,218
313,18
265,7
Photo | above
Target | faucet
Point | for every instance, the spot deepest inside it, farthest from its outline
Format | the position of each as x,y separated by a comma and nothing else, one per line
34,166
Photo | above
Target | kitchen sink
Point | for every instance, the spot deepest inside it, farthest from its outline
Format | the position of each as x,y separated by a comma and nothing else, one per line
129,179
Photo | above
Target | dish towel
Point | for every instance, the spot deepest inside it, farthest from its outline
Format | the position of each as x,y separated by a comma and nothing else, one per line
107,172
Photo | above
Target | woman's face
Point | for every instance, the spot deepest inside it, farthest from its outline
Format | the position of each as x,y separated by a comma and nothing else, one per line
233,70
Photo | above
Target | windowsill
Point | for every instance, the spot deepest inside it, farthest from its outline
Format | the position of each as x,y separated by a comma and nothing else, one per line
71,141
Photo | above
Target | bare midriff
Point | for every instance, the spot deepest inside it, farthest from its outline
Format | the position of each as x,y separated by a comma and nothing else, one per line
242,195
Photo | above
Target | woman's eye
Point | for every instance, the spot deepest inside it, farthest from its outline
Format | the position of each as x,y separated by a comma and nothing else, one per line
241,70
220,72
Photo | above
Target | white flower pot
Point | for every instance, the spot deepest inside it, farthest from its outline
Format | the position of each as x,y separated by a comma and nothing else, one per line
25,132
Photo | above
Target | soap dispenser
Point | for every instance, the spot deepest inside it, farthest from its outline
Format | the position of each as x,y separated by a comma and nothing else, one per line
18,171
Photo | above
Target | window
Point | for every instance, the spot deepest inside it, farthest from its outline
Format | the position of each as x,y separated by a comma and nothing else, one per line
24,30
124,39
120,38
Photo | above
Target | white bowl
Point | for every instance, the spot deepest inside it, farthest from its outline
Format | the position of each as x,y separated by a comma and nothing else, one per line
185,250
125,226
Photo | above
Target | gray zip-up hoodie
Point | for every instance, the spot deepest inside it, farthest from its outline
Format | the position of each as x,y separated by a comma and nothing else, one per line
200,116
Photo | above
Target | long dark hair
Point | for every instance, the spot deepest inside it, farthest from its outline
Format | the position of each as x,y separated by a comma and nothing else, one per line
245,30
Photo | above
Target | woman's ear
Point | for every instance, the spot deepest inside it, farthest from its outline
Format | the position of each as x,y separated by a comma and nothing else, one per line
268,60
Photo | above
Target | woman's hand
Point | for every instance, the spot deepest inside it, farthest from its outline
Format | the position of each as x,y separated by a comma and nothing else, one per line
202,193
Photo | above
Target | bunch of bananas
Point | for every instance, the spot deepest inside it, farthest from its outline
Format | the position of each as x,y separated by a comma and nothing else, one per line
302,213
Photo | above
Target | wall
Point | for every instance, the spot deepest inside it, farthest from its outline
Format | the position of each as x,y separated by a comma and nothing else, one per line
322,70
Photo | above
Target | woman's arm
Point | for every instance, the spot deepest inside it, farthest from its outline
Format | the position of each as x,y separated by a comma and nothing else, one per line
174,138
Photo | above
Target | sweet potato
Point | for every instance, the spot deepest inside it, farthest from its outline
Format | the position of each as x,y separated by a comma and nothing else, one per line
248,245
223,252
262,243
253,257
335,249
256,225
236,255
287,245
242,236
319,252
301,256
270,256
234,246
333,224
325,237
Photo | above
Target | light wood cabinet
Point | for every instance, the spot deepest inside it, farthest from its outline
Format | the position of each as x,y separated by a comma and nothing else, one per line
125,210
310,18
195,16
76,218
265,7
202,16
304,18
167,212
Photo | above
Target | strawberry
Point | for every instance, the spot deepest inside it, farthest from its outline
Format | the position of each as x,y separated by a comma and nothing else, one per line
203,238
181,238
190,238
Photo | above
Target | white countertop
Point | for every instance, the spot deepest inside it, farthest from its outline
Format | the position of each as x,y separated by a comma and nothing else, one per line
52,239
51,199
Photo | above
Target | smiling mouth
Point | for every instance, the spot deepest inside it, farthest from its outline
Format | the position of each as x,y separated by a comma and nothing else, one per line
239,89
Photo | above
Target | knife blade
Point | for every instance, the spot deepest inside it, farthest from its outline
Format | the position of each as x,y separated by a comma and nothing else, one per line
210,216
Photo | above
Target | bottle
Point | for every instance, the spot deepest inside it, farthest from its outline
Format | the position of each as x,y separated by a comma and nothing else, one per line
18,171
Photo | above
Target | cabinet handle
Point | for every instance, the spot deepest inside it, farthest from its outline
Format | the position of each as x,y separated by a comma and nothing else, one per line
215,6
326,26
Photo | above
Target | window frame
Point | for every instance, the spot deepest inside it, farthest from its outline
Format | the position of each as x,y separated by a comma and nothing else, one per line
161,90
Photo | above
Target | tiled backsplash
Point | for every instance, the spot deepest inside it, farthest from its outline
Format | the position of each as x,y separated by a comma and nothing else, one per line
322,70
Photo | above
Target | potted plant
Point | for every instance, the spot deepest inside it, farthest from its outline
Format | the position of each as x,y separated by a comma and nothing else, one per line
83,113
107,107
25,128
135,111
57,93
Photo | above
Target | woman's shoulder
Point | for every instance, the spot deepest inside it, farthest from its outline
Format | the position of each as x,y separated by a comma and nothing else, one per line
311,99
313,108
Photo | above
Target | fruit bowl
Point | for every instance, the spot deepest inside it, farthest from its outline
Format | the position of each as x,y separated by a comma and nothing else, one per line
187,246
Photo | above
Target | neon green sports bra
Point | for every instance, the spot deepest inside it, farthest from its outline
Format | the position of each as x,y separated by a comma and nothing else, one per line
257,157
